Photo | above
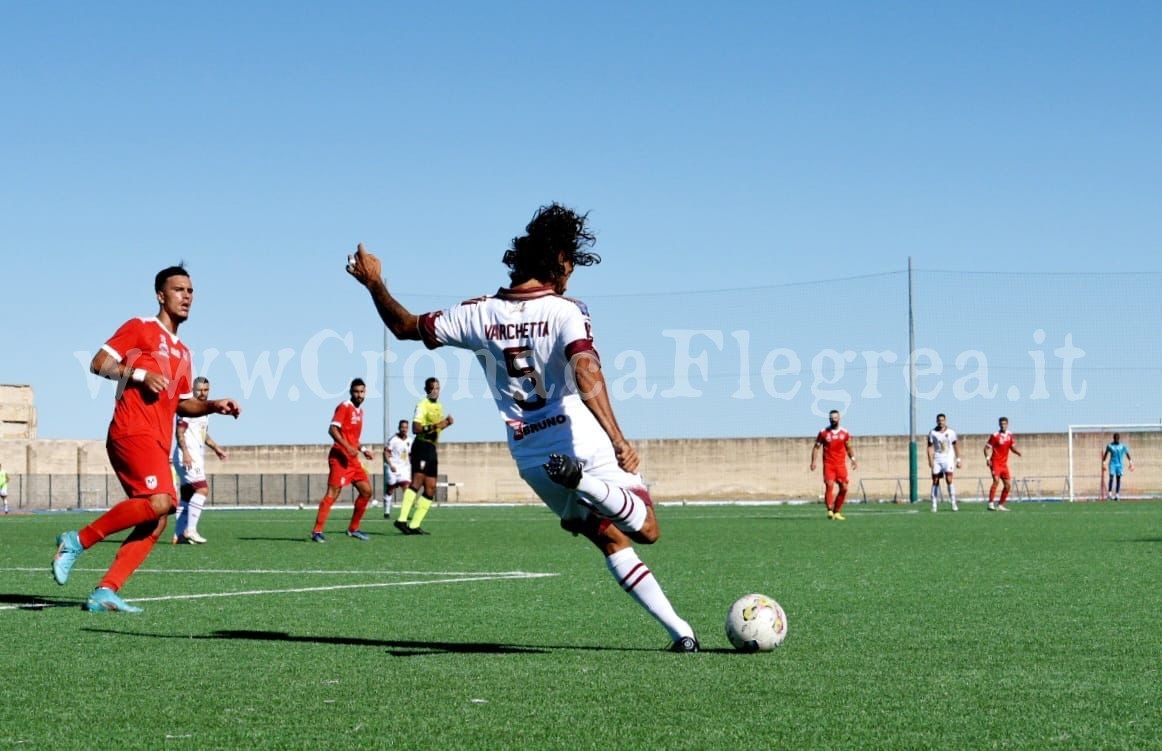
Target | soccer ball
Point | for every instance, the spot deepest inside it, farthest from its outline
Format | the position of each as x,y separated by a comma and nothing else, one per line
756,623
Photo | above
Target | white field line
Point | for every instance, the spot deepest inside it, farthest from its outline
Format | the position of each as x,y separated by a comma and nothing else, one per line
368,572
332,588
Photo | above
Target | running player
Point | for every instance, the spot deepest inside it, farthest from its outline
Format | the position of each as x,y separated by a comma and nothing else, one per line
344,467
536,347
1116,451
836,444
996,455
943,459
189,461
395,456
152,370
428,422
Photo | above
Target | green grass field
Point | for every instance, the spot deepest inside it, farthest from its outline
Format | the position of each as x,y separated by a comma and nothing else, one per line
1041,628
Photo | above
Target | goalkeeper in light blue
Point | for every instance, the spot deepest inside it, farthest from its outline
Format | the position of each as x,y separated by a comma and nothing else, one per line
1118,455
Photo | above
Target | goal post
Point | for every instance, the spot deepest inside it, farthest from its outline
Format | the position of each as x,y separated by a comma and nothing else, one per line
1087,469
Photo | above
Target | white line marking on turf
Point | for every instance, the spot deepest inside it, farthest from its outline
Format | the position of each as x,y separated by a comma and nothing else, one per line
365,572
335,587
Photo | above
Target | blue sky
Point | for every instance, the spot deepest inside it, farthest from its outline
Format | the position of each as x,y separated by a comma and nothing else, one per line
744,145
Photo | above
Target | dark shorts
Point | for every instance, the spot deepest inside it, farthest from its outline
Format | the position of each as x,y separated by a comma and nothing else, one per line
142,466
424,459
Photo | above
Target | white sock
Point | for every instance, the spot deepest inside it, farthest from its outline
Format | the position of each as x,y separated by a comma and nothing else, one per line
179,527
935,494
636,579
625,509
196,503
952,493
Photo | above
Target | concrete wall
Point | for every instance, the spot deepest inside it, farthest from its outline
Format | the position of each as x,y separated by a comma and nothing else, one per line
17,412
675,469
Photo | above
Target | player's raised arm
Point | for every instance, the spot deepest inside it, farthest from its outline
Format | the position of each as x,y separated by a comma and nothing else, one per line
197,407
367,270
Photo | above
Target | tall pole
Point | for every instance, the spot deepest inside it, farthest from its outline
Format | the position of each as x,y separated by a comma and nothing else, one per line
386,425
913,447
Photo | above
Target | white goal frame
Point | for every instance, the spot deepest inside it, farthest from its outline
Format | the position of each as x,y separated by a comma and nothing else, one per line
1111,428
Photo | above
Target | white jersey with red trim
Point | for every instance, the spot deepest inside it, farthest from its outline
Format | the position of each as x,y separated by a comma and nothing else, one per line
524,340
197,428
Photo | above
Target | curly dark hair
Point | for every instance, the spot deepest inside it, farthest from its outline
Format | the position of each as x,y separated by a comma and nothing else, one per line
554,230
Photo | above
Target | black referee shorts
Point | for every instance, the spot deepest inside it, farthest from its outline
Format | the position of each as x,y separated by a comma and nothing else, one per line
424,459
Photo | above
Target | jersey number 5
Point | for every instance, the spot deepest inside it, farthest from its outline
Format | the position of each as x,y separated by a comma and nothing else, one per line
518,361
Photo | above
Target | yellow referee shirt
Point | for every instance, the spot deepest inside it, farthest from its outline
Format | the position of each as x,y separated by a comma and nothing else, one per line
428,413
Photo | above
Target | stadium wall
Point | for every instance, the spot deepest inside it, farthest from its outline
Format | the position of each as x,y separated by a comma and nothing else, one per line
691,469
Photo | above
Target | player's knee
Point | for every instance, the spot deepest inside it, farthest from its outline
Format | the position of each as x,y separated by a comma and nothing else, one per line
162,505
650,531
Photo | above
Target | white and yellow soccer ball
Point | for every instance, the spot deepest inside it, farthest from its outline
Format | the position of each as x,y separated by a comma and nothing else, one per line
756,623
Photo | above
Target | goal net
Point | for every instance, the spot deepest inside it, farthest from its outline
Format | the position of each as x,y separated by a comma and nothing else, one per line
1089,464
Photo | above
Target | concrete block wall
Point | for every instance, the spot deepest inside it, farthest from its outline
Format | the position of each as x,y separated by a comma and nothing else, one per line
742,468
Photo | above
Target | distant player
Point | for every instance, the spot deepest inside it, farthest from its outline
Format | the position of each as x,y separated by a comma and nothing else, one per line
943,459
1118,455
189,461
343,465
836,444
537,350
395,456
996,454
4,487
152,369
428,422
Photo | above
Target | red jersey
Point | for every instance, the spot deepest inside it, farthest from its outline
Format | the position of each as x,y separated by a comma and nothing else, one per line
834,443
1001,443
349,418
145,343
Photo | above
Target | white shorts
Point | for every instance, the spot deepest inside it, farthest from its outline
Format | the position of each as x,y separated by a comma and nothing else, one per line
566,503
196,473
944,465
3,492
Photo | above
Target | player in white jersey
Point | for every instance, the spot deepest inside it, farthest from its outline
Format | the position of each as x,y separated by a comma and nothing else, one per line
536,347
943,459
396,457
189,463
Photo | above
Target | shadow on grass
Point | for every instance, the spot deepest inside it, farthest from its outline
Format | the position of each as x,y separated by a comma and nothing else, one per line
34,602
394,647
302,538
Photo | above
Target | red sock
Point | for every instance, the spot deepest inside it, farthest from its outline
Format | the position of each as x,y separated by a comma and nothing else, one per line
132,553
324,510
1004,496
993,494
828,497
840,497
129,513
360,507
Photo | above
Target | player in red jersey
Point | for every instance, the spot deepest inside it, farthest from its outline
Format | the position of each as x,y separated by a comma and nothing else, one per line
996,455
153,373
344,465
836,444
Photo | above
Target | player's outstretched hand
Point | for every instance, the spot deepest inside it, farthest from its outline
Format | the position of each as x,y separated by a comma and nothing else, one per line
627,457
364,266
368,455
450,420
227,407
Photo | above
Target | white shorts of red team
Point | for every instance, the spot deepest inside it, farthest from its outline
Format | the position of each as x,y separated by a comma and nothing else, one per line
566,503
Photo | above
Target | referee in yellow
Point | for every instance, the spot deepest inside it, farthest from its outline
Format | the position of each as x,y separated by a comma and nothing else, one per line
427,423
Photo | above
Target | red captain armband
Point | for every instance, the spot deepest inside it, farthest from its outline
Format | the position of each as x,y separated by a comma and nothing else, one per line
581,345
